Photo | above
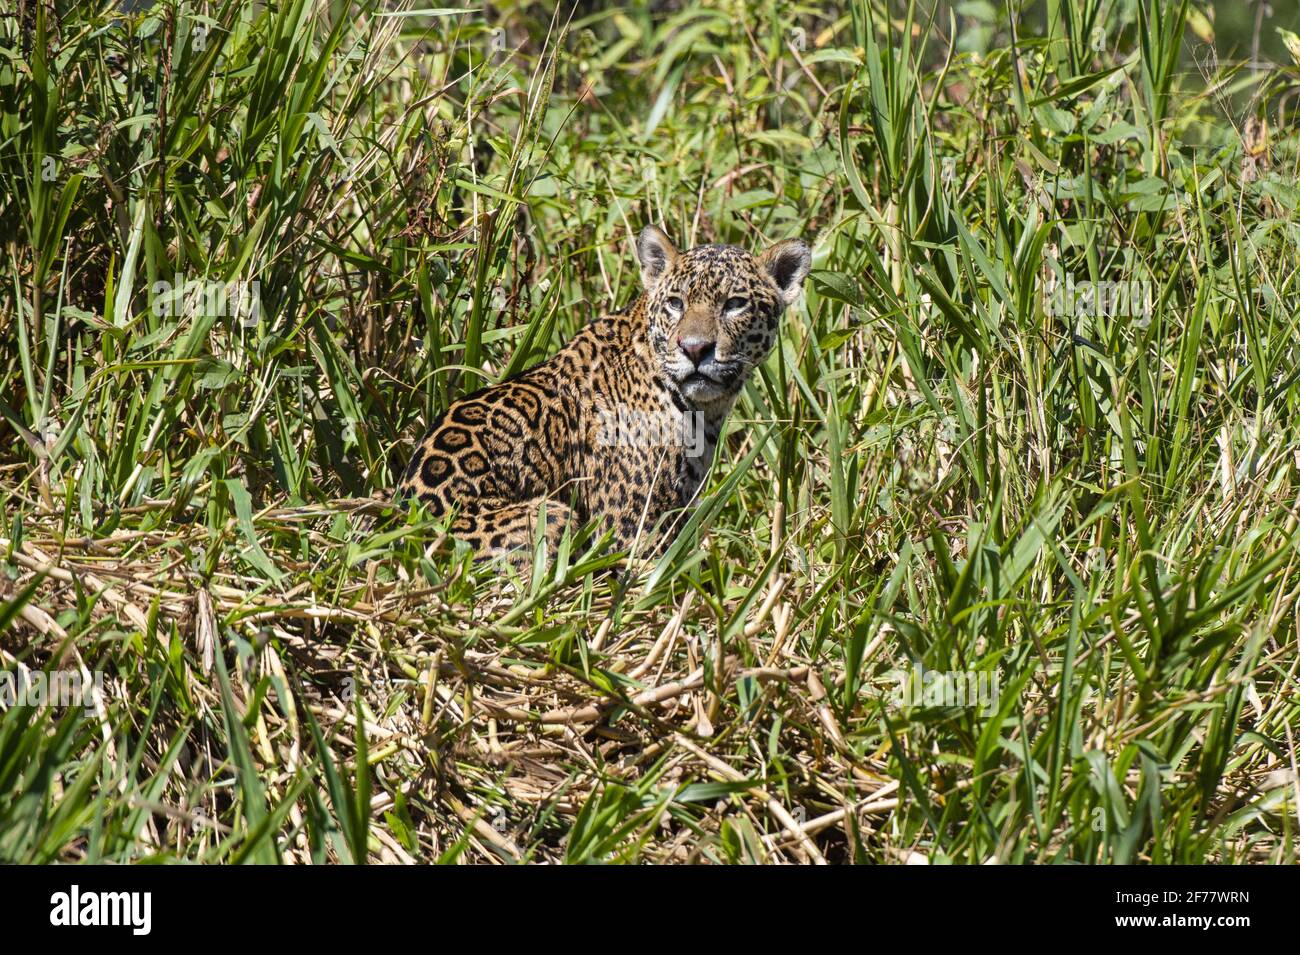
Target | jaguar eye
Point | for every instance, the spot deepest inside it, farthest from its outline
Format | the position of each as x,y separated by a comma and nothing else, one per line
676,304
734,304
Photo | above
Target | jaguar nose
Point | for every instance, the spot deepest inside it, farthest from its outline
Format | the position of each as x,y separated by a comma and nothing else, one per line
697,349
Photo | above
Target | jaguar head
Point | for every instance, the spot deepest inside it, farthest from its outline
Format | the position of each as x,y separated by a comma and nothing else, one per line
714,311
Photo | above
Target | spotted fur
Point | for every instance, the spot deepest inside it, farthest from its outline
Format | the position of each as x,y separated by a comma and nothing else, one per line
546,444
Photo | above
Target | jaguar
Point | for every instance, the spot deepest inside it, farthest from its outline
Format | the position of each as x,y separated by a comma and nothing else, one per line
618,428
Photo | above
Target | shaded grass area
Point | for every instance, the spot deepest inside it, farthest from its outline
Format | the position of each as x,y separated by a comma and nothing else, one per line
990,567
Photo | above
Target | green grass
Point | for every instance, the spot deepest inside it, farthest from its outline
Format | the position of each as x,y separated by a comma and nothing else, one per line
936,469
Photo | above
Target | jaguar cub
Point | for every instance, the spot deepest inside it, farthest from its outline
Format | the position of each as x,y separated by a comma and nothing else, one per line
620,426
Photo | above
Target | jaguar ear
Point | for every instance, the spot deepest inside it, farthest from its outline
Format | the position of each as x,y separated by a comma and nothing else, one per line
656,252
787,264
